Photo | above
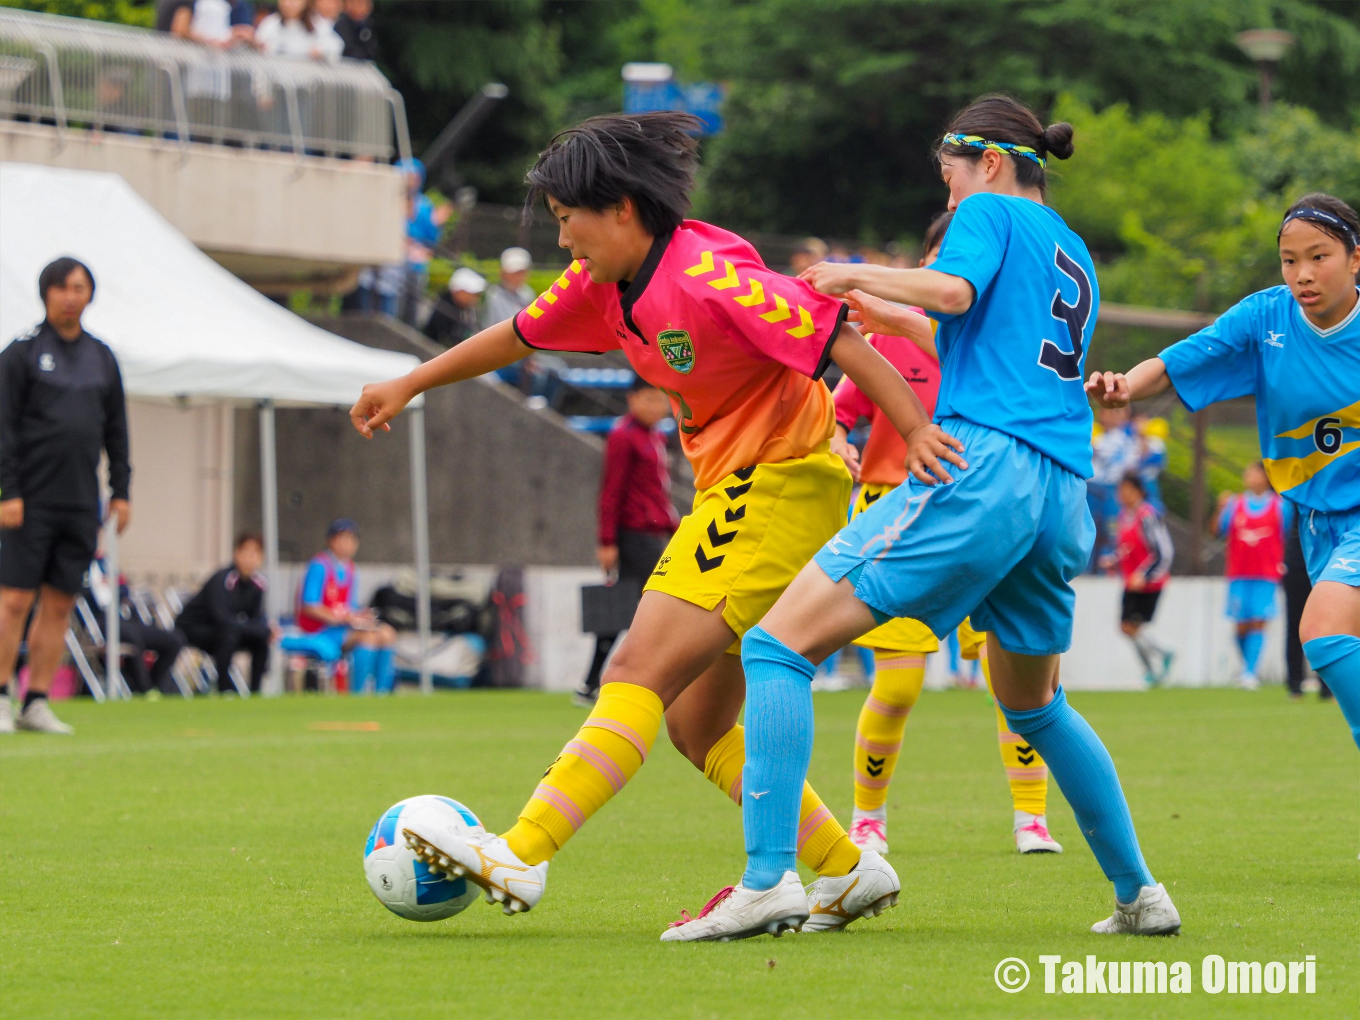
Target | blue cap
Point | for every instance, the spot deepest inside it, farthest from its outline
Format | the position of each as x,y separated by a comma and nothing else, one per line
341,524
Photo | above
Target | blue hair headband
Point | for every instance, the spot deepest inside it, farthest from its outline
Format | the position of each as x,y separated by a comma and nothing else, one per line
978,142
1322,216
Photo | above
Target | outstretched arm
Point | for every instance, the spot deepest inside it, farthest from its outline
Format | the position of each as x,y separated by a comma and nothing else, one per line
1116,389
927,444
492,348
874,315
931,290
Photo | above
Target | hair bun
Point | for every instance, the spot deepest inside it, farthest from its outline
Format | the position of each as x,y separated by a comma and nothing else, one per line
1058,140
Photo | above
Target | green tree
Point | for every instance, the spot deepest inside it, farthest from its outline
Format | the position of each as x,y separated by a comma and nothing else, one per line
141,13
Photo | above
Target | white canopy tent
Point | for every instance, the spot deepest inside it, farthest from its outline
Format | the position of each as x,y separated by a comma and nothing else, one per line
183,328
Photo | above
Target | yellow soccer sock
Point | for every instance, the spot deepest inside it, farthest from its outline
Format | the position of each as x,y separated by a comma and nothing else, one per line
609,749
882,720
1025,770
822,843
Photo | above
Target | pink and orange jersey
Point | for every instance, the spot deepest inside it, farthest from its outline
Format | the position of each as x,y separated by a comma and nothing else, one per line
739,349
885,454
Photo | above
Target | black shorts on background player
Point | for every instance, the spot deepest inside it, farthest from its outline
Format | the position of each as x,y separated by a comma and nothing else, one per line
52,547
1139,606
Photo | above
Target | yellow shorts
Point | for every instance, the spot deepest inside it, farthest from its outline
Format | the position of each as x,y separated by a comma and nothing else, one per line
903,635
750,534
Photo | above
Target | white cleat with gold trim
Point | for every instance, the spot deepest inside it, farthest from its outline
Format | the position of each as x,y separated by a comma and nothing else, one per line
485,860
871,888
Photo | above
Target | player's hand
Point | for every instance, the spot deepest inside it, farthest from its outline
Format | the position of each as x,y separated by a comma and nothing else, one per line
830,277
1137,581
608,557
12,513
926,447
846,451
874,315
1108,389
378,404
121,510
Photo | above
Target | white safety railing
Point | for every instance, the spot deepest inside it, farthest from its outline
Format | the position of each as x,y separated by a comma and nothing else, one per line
71,72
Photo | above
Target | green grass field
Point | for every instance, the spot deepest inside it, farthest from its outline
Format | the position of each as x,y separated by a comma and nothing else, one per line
203,859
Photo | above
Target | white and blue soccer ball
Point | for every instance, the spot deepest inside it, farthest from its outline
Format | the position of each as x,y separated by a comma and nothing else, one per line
405,885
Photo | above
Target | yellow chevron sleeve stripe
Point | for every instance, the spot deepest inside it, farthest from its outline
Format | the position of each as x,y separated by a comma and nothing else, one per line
534,310
780,313
549,297
806,326
1288,472
756,297
729,280
705,265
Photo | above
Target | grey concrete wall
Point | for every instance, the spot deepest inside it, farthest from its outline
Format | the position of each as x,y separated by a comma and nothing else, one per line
506,485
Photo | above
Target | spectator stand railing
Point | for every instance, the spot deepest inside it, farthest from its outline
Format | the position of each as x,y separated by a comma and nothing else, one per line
70,72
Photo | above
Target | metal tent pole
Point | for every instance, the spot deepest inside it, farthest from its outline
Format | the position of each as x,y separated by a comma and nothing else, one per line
269,497
113,681
420,520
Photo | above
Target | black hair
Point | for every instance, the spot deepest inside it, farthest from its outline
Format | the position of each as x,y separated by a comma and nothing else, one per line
1136,482
640,383
55,273
1347,231
648,157
247,538
1001,118
935,232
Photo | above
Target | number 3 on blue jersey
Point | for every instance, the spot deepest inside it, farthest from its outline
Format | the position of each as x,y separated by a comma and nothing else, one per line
1067,364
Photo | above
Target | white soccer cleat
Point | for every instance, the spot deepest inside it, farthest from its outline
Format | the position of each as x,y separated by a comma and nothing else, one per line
1032,835
741,913
485,860
40,718
1152,913
6,715
871,888
870,834
1249,682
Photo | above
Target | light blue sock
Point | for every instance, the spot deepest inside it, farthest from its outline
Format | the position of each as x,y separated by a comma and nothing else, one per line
1252,641
1337,660
778,751
384,671
361,661
1086,776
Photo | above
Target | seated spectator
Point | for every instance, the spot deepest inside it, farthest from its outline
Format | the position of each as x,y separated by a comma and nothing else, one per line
355,29
809,251
295,31
145,638
328,608
458,315
227,615
504,300
424,224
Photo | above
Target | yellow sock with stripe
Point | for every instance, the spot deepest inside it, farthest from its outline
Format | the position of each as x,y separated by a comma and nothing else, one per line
609,749
878,737
822,843
1025,770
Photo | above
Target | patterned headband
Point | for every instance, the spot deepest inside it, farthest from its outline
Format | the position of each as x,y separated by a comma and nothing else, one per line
1322,216
978,142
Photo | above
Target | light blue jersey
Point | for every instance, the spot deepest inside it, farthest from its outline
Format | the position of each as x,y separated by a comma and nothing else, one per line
1014,361
1306,382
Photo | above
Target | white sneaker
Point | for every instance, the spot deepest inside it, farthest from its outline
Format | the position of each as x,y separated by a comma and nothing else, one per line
1152,913
1032,835
1248,682
871,888
870,834
740,913
484,859
40,718
6,715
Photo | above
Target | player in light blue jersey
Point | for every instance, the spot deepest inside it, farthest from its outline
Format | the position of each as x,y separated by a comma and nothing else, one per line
999,531
1295,348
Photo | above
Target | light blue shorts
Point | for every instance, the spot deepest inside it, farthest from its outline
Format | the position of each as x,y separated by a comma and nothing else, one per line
1000,544
1251,599
1331,545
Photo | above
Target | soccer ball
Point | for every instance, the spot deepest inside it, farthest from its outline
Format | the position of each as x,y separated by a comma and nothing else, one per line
404,885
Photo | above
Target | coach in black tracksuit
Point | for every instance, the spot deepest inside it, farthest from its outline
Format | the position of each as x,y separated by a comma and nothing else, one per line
61,404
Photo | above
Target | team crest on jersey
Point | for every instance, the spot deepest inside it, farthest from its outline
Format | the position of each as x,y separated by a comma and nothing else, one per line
677,349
